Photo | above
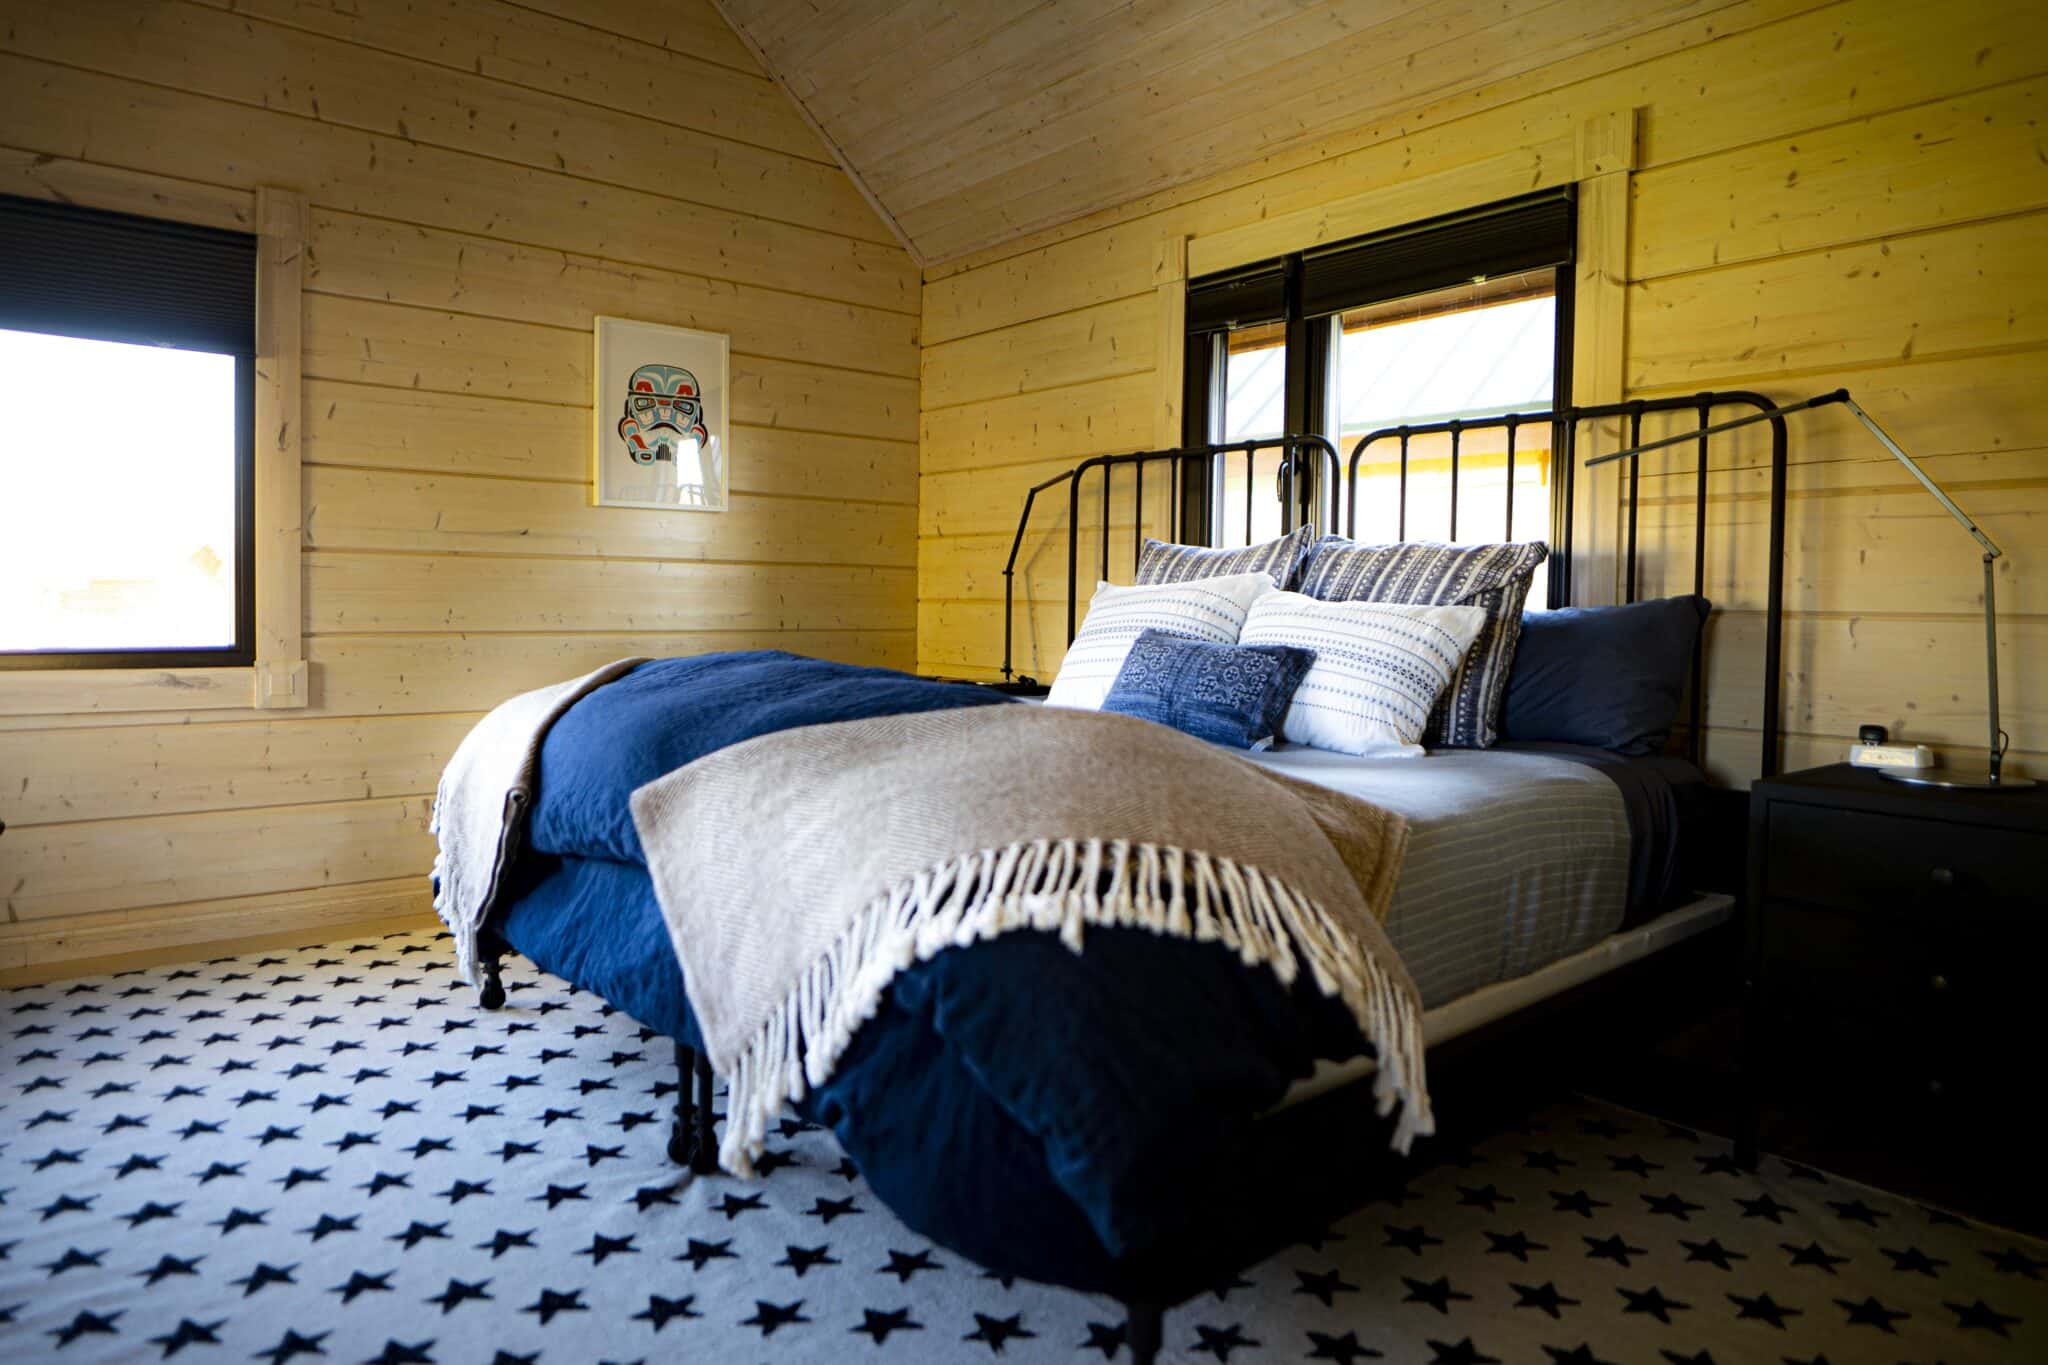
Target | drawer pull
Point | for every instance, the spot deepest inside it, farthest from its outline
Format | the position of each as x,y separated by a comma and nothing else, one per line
1944,876
1938,982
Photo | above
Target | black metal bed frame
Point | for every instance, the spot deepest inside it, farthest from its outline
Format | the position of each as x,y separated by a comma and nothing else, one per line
1312,479
1309,470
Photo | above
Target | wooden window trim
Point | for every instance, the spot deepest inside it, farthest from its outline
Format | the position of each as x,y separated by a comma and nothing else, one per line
278,678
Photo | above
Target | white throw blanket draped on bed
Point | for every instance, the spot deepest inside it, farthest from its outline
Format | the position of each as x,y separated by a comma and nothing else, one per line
480,804
799,872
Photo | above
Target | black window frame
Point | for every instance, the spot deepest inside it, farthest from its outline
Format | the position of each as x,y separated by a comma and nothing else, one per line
96,274
1529,232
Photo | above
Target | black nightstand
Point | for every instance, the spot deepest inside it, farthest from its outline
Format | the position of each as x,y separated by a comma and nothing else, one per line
1896,970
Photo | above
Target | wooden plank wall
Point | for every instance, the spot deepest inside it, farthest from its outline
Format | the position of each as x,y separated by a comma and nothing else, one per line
484,177
1850,193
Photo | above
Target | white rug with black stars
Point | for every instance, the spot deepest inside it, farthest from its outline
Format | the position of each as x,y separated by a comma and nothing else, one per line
333,1154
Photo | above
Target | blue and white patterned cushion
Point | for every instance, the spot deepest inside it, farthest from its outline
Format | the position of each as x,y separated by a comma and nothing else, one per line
1494,578
1209,609
1235,695
1163,562
1378,669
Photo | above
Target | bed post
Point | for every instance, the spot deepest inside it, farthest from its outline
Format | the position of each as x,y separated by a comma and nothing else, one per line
682,1139
1146,1331
491,995
704,1161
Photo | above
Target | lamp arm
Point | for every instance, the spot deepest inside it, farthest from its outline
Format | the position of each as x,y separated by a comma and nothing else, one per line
1995,755
1884,437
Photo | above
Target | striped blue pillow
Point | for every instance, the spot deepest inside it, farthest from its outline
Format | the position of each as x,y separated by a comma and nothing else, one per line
1280,560
1494,578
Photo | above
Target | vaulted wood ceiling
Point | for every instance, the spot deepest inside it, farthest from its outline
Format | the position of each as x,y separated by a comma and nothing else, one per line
969,122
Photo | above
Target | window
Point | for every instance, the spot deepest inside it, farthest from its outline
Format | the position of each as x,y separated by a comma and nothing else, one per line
127,397
1459,318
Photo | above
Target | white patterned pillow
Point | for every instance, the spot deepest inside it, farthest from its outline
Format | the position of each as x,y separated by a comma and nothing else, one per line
1209,609
1431,573
1379,668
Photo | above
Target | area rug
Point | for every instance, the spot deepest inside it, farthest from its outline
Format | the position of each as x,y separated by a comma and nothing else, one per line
332,1154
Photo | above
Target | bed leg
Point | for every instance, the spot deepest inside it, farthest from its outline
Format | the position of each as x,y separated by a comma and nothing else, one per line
704,1160
1146,1329
491,995
682,1139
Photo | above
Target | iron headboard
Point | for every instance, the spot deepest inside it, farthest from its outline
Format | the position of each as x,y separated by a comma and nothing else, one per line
1309,467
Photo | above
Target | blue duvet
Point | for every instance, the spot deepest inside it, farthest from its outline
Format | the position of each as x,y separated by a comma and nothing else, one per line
1064,1117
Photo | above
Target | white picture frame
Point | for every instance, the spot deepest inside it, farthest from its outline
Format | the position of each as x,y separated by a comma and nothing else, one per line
660,399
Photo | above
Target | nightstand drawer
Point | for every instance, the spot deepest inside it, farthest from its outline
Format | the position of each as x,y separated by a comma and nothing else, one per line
1854,860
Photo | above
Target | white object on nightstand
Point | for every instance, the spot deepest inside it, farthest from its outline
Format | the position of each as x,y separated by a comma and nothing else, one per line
1891,756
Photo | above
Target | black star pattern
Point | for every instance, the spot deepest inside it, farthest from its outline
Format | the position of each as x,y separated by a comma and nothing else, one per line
1764,1309
702,1252
552,1302
1581,1354
1221,1341
458,1293
188,1333
877,1324
1871,1313
2013,1261
265,1275
1712,1252
1651,1301
1814,1254
1914,1261
1437,1293
1515,1244
292,1344
85,1323
467,1242
660,1310
770,1317
801,1259
1324,1287
1981,1315
1576,1201
1544,1298
1412,1239
1856,1211
1345,1349
1672,1206
1614,1249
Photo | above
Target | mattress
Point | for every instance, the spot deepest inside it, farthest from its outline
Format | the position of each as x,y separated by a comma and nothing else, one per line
1517,856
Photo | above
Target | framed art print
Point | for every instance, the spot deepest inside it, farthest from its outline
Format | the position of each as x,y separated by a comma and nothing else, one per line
662,395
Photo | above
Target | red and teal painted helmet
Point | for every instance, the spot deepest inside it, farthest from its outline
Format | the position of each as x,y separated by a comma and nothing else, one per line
664,407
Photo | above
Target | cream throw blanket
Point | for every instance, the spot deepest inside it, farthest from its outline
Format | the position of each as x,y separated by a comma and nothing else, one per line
480,805
799,872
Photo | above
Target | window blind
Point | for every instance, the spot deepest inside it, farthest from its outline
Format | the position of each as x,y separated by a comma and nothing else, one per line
120,277
1532,233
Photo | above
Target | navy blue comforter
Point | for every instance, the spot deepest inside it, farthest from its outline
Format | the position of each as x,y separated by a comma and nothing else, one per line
1049,1114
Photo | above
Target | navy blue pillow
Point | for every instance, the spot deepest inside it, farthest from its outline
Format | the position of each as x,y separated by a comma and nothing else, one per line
1235,695
1609,677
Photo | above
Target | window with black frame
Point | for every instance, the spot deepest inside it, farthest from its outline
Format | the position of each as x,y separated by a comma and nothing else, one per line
1461,317
127,397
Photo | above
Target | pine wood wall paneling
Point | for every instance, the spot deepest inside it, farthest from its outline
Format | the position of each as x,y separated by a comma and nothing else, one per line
1871,176
483,178
116,121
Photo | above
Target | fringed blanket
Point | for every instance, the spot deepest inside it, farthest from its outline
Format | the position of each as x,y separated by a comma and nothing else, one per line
799,872
480,804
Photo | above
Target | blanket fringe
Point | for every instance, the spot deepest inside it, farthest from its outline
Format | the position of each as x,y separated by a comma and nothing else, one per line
1060,886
